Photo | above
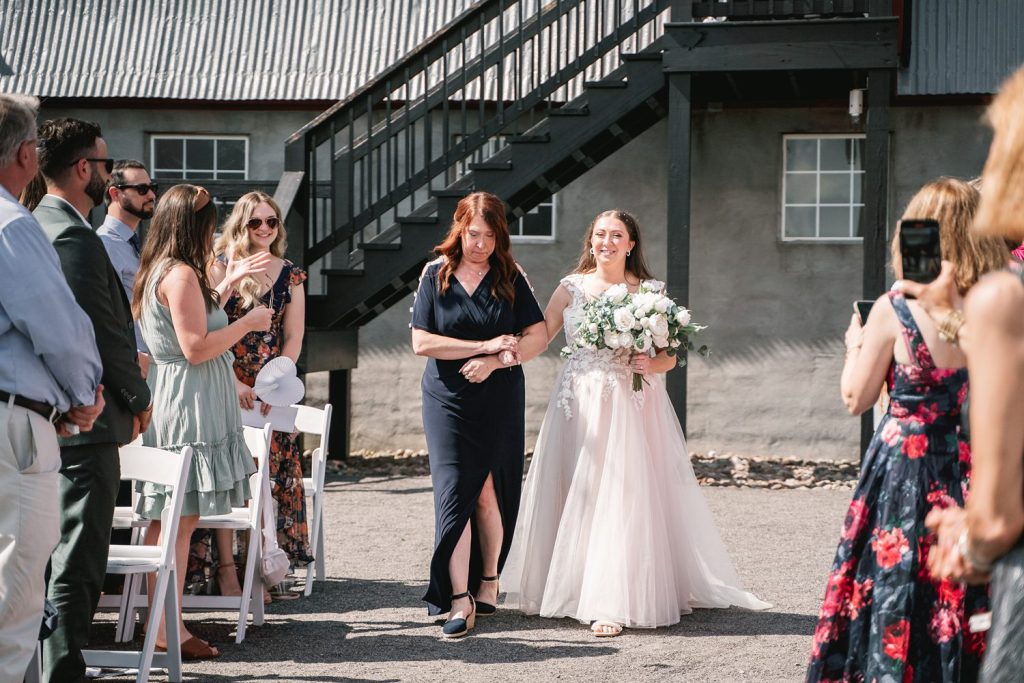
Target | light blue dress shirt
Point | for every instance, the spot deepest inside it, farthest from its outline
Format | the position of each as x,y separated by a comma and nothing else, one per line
115,235
47,345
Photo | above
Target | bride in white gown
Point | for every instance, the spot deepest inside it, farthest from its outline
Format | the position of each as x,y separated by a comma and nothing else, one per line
613,529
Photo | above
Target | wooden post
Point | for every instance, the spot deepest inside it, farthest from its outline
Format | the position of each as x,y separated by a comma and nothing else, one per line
678,224
875,217
339,393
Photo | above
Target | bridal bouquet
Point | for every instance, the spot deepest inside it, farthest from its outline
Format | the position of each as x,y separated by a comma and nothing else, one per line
637,323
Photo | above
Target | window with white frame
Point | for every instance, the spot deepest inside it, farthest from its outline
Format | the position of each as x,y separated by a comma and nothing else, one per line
200,157
537,224
822,187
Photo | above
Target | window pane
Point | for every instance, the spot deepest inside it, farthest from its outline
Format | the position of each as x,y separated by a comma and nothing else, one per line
167,174
858,184
835,188
167,154
834,221
230,175
858,153
799,221
537,223
231,155
801,154
836,154
801,188
199,175
199,154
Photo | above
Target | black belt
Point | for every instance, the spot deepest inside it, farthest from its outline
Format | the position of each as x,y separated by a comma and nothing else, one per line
47,411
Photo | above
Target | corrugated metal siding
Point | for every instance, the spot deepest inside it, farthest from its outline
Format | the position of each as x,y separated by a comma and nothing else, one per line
209,49
962,46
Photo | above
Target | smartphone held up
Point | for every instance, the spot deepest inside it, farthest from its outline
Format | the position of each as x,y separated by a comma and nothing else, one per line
920,249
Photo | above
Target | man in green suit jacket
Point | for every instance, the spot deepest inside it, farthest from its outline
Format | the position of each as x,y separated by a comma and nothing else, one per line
72,159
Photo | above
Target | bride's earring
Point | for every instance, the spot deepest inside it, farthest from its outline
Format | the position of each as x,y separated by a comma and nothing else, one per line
628,253
591,251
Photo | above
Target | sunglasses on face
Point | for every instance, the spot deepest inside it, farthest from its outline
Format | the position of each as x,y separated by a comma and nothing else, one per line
141,188
109,163
254,223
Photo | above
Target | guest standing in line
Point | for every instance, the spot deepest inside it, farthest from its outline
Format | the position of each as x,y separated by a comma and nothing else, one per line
255,229
131,198
884,615
614,529
189,338
50,373
475,319
73,160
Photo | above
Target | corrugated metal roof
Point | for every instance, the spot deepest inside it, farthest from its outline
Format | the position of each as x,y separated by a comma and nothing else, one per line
209,49
962,46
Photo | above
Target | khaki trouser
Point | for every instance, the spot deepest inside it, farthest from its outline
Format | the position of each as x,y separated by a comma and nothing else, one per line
29,461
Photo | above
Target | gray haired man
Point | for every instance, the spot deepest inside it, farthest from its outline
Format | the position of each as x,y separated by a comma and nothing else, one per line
50,374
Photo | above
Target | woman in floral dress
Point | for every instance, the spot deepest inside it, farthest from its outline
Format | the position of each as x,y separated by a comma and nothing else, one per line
255,227
884,617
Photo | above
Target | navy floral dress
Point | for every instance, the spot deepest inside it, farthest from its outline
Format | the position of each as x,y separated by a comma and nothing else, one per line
884,618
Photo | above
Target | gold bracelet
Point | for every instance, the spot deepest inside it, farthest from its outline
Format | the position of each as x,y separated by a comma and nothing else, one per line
949,326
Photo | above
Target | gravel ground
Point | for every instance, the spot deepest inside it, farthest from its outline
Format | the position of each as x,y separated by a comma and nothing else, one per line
366,623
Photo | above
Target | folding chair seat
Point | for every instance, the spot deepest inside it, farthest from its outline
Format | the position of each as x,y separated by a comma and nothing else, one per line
139,463
312,420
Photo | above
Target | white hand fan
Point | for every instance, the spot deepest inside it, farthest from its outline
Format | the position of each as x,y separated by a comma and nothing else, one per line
277,383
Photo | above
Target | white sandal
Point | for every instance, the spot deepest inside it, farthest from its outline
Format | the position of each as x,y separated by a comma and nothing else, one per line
615,629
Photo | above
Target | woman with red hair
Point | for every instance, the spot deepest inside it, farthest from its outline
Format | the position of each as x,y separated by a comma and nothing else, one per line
475,318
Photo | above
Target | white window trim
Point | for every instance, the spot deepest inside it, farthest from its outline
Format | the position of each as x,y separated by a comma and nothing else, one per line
541,239
818,174
154,137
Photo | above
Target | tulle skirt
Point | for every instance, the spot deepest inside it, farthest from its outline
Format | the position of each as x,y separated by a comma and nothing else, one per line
613,524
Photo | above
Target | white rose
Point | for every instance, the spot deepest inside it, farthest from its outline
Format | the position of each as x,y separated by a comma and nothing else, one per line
625,339
616,293
655,285
661,342
611,340
645,322
624,320
659,326
683,316
662,304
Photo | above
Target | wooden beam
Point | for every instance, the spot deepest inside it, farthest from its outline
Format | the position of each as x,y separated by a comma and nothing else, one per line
339,394
680,110
875,215
786,45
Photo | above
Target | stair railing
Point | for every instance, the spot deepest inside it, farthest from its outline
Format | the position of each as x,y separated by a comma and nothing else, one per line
453,100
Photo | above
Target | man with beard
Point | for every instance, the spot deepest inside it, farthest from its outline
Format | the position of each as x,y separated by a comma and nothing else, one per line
73,161
130,197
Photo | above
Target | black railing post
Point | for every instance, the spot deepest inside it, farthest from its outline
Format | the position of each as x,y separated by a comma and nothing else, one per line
297,216
339,391
876,203
678,270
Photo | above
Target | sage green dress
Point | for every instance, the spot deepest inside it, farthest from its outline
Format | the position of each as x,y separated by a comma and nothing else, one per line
193,405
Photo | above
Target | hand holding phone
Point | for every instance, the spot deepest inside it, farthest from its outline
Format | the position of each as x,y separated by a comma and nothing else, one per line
862,308
920,249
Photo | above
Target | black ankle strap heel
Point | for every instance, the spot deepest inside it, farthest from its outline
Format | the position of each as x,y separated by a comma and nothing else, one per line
456,628
486,609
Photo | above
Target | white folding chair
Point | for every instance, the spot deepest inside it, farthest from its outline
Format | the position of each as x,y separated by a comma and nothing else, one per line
139,463
247,518
315,421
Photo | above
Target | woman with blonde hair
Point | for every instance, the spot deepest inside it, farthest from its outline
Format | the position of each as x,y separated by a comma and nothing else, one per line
884,615
987,539
255,230
189,337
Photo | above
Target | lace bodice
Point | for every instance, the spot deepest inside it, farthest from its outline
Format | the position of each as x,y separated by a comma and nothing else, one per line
613,363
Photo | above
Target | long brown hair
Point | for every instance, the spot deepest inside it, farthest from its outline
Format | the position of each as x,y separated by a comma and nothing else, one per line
1001,211
953,204
180,232
234,242
492,210
635,263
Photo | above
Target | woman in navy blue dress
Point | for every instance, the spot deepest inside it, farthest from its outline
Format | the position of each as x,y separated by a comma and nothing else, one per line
475,318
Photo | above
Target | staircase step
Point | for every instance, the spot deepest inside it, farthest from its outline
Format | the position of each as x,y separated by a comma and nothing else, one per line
640,56
570,111
491,166
529,139
600,85
416,220
380,246
343,272
452,194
